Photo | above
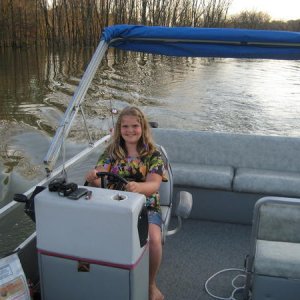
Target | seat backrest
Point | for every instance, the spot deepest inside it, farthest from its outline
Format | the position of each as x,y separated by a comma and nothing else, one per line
277,219
276,153
166,194
166,187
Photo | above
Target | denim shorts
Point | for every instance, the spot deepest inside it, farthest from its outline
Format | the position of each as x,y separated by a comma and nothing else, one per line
154,217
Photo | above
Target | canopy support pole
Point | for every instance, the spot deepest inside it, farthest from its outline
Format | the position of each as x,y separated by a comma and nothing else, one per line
71,112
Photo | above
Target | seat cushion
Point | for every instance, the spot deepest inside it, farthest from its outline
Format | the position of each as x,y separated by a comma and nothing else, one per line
267,182
281,259
203,176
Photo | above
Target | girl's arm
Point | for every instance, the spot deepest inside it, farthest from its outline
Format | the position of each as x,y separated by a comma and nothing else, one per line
150,186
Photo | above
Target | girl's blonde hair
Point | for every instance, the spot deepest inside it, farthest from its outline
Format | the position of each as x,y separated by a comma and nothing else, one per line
145,146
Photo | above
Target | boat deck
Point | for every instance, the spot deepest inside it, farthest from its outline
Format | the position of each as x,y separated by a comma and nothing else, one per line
199,250
196,252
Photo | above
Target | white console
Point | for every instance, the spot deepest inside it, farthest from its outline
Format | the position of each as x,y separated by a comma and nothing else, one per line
106,233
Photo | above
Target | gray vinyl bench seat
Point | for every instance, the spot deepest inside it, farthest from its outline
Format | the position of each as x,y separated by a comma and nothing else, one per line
204,176
245,180
267,182
265,165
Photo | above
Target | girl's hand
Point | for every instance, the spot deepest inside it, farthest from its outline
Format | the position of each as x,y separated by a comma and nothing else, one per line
92,178
133,186
150,186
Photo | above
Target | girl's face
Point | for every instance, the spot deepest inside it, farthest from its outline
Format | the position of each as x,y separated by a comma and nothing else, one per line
131,130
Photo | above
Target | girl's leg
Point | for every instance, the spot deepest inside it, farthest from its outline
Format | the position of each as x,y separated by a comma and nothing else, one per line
155,255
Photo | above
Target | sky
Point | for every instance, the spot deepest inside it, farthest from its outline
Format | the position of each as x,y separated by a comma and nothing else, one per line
277,9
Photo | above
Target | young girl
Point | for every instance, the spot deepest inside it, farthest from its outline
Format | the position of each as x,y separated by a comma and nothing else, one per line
132,154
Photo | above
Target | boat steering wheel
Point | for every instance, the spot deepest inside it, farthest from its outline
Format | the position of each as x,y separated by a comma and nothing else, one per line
112,177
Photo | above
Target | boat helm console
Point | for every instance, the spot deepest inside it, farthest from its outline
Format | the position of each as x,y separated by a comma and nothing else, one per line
108,233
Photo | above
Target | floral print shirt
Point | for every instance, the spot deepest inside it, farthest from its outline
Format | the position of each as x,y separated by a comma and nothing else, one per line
135,169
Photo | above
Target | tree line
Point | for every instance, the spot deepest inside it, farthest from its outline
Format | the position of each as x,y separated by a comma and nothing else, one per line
80,22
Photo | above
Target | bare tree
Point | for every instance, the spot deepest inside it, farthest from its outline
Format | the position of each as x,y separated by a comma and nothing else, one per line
215,12
251,19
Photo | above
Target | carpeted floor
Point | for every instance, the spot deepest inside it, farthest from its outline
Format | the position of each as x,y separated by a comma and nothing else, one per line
197,252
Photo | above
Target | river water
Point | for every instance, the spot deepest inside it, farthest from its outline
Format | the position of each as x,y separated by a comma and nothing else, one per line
224,95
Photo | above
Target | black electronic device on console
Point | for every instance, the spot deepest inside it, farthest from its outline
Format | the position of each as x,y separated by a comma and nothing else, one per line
78,193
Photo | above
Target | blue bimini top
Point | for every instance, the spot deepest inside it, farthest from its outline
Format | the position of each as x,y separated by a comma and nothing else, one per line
204,42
